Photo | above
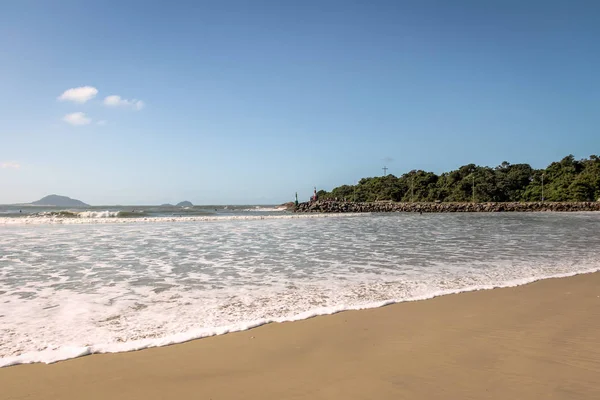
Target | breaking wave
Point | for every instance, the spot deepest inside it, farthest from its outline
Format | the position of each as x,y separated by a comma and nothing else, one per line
71,218
87,214
265,209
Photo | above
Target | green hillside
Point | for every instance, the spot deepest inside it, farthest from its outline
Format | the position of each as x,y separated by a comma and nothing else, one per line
565,180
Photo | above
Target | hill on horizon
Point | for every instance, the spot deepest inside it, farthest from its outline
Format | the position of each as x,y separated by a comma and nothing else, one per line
60,201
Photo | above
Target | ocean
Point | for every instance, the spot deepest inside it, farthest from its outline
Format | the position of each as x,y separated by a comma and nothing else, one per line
107,280
48,214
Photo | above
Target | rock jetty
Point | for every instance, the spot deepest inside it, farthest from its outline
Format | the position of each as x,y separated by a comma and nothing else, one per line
325,206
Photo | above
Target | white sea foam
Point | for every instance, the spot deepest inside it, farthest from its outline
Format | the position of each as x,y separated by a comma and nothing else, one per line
97,214
107,217
54,354
73,290
265,209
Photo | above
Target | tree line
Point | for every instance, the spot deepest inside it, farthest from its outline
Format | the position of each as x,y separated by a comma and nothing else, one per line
565,180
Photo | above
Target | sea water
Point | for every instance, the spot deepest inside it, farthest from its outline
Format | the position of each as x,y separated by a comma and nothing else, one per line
71,286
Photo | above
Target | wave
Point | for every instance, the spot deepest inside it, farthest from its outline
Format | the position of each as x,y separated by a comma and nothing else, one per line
55,214
63,214
70,218
265,209
61,353
98,214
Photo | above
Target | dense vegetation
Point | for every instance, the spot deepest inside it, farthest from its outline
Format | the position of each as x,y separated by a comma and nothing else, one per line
566,180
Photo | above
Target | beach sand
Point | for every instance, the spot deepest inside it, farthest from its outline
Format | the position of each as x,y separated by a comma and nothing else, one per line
538,341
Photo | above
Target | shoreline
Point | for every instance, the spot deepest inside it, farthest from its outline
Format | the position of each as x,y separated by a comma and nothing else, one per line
48,357
346,354
328,206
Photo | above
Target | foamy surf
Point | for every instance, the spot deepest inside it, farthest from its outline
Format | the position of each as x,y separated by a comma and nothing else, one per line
265,209
50,355
98,214
73,290
106,217
65,214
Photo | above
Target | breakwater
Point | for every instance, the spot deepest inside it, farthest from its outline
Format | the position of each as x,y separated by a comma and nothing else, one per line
325,206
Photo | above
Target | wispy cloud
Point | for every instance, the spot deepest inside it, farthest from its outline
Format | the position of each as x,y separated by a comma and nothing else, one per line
10,165
387,159
79,94
102,122
117,101
77,119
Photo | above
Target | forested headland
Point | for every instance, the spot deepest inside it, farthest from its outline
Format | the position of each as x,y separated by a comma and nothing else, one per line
565,180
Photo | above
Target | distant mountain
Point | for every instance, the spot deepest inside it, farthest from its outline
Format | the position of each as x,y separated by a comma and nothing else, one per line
185,204
167,205
59,201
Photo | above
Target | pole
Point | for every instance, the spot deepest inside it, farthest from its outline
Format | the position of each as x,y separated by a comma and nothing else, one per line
473,200
385,170
412,189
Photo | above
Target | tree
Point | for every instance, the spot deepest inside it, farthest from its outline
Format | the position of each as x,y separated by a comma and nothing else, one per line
565,180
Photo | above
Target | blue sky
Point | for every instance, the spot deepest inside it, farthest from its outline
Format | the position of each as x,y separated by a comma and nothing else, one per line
251,101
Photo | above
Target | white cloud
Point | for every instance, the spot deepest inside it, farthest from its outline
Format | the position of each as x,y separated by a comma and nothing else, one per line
10,165
117,101
77,119
102,122
79,94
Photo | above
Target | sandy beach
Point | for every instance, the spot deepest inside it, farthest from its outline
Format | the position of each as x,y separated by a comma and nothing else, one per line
537,341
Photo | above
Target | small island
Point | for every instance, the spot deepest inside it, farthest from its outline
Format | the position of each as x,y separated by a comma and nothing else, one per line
180,204
55,200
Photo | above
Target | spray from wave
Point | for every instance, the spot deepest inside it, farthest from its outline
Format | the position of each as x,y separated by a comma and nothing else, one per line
265,209
72,219
88,214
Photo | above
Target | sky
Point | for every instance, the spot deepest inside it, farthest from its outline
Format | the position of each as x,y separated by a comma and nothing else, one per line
248,102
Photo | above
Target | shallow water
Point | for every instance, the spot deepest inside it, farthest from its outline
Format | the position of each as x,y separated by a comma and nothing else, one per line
76,289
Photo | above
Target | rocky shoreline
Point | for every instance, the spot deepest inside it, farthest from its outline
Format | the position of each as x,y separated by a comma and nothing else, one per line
325,206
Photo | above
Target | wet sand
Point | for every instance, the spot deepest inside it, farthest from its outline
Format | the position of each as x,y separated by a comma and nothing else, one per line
538,341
